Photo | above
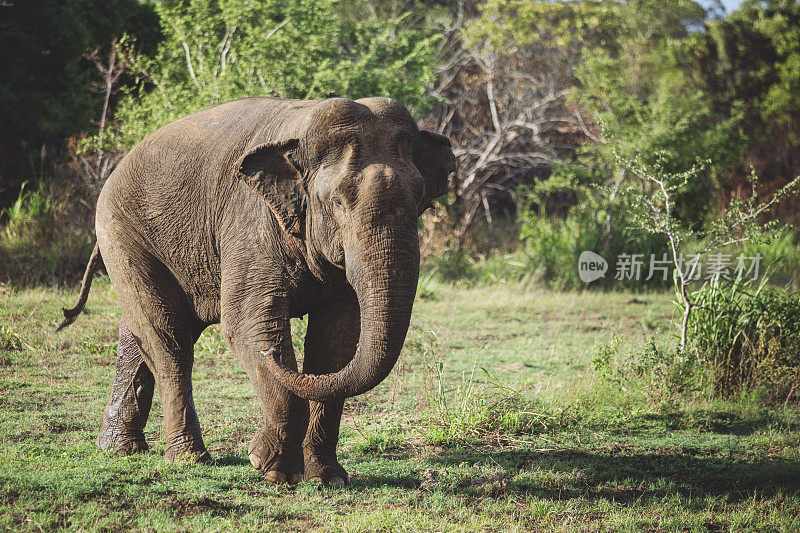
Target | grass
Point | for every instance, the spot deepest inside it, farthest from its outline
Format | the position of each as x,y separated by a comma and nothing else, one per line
494,419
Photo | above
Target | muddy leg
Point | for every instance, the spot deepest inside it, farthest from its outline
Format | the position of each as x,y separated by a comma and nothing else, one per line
125,414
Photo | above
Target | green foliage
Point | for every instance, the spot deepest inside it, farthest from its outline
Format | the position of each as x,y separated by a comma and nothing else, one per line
378,441
106,351
452,265
211,342
742,340
598,222
46,85
751,59
780,254
628,61
748,338
428,286
218,51
9,338
647,107
36,243
665,376
28,216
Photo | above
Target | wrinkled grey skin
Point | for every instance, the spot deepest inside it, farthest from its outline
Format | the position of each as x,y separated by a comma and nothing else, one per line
247,214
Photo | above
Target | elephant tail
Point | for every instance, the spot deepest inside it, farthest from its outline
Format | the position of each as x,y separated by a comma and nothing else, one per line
71,314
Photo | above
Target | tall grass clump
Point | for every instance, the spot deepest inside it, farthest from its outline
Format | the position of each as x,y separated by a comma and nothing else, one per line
45,237
781,254
550,246
479,406
747,338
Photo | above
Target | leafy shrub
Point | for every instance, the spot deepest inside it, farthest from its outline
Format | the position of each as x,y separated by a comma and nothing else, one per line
748,338
664,375
550,246
9,338
45,238
211,341
239,49
742,340
452,265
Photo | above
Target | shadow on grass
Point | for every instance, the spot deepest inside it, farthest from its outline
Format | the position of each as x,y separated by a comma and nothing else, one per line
721,422
622,476
724,422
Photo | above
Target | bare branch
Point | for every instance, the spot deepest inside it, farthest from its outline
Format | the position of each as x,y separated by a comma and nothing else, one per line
189,64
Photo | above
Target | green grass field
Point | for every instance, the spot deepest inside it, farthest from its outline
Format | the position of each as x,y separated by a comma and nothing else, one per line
493,420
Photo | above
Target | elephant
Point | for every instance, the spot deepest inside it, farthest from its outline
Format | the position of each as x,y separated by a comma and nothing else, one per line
248,214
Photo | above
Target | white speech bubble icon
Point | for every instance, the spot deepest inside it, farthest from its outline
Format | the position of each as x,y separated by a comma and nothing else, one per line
591,266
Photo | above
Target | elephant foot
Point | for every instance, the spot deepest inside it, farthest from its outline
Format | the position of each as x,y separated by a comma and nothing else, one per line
117,436
117,443
270,457
187,450
325,471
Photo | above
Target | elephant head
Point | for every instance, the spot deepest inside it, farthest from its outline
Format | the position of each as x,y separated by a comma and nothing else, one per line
353,187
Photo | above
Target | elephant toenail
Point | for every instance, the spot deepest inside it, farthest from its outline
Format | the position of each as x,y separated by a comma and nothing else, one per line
254,460
295,478
273,476
336,481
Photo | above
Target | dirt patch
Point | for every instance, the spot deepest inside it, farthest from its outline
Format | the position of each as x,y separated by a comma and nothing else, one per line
193,507
511,367
635,301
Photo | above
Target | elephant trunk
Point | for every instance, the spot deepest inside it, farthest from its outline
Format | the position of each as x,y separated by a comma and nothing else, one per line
383,270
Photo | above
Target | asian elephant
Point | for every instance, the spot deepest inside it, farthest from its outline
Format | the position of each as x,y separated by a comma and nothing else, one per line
247,214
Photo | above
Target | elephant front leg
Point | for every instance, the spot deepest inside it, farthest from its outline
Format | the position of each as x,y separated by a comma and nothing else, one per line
319,446
128,407
330,344
276,450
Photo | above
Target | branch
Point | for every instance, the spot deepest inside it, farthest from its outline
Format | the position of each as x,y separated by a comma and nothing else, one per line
189,64
276,28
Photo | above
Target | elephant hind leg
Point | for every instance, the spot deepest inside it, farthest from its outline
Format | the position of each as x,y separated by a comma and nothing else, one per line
161,320
128,407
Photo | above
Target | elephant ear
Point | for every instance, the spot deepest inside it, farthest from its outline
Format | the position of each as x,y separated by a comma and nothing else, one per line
435,162
268,168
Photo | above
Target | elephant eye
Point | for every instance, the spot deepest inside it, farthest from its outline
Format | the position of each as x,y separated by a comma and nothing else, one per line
337,203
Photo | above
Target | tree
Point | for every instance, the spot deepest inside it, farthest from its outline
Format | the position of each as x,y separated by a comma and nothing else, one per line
44,97
503,102
215,51
653,191
749,64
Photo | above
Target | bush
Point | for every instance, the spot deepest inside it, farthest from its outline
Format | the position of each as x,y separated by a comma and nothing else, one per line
46,237
748,338
663,375
742,341
551,246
